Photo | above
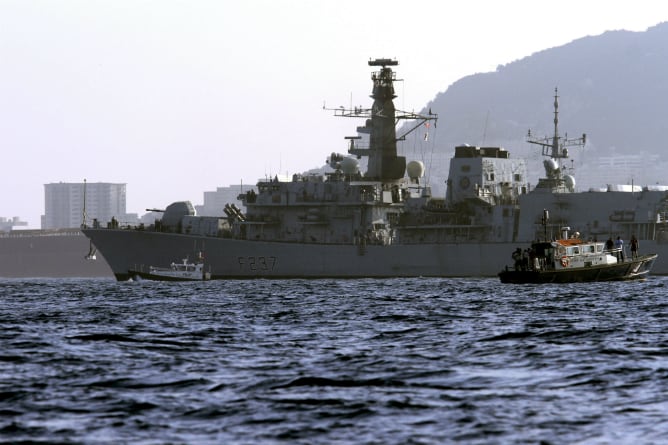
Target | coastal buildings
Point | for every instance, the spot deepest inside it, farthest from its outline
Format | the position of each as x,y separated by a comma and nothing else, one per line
64,204
7,224
214,202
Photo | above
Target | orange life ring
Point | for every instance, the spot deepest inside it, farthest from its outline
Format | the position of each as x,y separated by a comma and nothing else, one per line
564,261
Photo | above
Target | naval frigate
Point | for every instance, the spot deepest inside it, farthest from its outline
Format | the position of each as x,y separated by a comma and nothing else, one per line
384,221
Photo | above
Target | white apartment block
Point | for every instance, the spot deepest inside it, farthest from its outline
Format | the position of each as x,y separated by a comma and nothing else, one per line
64,204
214,202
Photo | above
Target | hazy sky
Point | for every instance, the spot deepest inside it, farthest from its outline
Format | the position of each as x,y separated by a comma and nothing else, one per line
175,98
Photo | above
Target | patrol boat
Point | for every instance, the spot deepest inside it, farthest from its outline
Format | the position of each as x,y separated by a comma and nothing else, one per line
573,260
384,221
184,271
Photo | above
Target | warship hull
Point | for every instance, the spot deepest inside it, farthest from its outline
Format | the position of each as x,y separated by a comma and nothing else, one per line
49,254
229,258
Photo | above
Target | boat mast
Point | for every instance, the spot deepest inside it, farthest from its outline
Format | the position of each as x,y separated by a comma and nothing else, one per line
83,222
556,148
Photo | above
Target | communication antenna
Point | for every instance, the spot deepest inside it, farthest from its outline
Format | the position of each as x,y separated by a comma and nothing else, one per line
83,223
556,147
484,130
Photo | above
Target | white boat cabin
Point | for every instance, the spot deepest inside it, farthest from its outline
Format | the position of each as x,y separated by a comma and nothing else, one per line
183,270
571,253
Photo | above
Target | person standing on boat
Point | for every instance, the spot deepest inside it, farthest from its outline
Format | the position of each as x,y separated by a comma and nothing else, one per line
525,259
609,245
619,244
634,247
517,257
533,261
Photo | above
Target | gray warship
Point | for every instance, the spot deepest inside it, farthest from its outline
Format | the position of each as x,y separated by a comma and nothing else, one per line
384,222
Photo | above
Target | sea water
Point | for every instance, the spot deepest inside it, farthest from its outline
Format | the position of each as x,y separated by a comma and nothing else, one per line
392,361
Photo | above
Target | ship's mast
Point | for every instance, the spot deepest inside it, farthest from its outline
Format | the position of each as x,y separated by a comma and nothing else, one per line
384,162
83,216
556,148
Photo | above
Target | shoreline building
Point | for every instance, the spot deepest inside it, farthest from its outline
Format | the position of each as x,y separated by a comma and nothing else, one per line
214,202
64,204
7,224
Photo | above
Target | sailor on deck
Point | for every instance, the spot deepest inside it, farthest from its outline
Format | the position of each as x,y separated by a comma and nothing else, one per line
619,244
517,257
634,247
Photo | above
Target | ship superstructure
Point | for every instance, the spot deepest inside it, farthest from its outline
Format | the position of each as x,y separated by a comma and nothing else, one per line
609,211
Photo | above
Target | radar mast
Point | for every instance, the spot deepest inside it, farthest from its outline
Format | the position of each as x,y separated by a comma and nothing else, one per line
556,148
381,119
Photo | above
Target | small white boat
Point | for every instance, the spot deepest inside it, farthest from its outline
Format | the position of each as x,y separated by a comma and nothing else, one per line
183,271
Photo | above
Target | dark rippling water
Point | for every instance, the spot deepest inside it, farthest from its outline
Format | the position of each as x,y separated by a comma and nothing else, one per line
401,361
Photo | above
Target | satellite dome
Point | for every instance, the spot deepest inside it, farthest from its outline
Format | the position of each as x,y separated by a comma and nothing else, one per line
570,182
415,169
550,165
350,165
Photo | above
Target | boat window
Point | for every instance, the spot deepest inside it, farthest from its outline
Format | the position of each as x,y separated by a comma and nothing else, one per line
575,250
599,248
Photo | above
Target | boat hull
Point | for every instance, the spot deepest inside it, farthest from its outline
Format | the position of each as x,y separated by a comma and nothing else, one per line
628,270
137,274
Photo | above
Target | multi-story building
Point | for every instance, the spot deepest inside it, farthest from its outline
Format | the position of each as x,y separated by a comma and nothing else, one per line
64,204
638,169
214,202
6,224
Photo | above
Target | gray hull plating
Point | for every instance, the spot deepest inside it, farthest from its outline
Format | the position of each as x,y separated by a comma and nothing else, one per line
228,258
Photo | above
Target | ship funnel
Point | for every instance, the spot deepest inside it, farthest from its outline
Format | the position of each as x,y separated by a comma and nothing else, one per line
564,232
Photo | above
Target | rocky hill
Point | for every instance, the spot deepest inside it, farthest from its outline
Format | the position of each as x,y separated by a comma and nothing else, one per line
613,87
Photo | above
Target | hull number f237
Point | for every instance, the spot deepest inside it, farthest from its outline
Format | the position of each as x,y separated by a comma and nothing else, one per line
256,263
